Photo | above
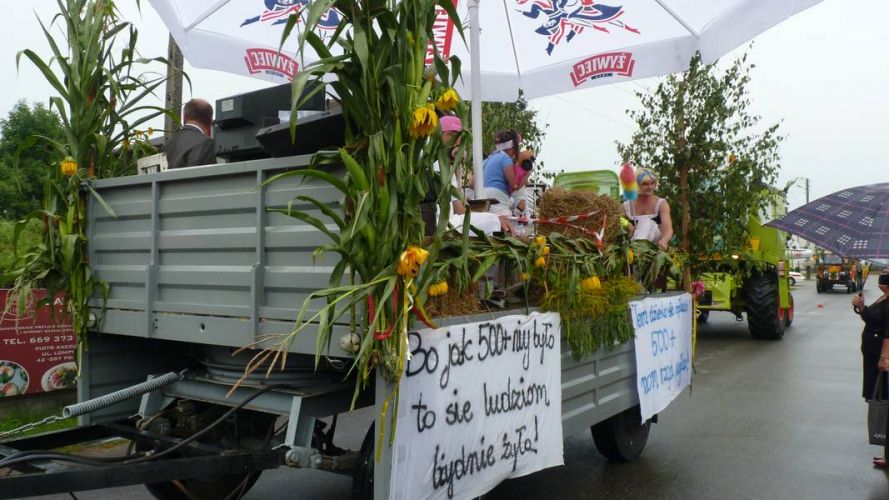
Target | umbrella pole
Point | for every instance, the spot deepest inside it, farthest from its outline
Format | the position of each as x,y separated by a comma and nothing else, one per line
476,88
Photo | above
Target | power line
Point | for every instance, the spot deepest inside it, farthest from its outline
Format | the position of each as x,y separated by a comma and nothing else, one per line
600,115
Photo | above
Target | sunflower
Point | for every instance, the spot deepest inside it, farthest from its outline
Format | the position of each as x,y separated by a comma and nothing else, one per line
410,261
447,101
69,166
424,121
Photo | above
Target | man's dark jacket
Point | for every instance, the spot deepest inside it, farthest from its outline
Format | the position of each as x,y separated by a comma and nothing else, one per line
189,147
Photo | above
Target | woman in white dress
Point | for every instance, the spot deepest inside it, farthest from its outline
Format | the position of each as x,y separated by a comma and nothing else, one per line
648,213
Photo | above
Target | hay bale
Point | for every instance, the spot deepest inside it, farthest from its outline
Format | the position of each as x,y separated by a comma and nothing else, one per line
558,202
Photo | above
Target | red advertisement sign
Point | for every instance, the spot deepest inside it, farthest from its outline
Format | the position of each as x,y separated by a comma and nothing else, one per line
36,349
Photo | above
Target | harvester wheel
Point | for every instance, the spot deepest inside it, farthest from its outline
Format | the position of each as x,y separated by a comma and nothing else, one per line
703,315
818,286
788,315
765,319
622,437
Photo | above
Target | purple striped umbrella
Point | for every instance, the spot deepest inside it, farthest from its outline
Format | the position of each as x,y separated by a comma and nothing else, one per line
852,223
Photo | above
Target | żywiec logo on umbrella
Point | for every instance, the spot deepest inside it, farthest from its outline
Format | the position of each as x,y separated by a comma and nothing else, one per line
277,12
270,61
603,65
565,19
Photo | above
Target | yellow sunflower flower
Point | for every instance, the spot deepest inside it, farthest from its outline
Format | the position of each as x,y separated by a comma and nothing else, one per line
448,100
424,121
524,276
69,166
544,251
590,284
540,241
410,261
540,262
630,256
439,288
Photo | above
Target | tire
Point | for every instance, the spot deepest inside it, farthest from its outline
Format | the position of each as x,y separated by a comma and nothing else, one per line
818,286
788,316
253,427
792,281
622,438
703,316
765,319
848,287
363,478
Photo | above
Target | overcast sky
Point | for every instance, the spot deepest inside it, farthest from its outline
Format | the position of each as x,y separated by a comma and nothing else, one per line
824,74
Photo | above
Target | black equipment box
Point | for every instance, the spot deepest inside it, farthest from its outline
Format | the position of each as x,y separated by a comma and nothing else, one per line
323,130
240,117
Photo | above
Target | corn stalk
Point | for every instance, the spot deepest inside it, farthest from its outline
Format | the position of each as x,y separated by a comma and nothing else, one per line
100,101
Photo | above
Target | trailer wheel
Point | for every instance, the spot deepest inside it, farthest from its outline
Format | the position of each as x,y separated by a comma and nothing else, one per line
232,486
363,479
253,430
818,287
622,437
765,318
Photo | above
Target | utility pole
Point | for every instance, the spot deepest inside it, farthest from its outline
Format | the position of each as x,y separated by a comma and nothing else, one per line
173,101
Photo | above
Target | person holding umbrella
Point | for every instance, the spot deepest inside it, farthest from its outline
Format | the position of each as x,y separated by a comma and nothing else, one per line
875,345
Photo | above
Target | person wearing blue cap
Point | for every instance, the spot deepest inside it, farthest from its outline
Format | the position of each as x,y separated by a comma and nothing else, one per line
649,214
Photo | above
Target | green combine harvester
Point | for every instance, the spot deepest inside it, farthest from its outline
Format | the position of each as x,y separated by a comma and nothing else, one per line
760,287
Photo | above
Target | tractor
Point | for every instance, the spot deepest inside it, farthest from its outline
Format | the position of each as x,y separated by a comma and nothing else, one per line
833,270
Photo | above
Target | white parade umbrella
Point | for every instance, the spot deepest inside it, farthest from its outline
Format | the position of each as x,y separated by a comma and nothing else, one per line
542,47
238,36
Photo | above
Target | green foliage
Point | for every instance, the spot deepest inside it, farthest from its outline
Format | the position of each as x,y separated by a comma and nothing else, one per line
519,115
714,161
31,235
99,102
22,188
594,319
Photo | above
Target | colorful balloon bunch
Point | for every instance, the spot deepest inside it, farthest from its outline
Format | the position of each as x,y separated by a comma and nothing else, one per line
628,181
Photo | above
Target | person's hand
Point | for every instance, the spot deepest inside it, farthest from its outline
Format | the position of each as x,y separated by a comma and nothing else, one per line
663,244
505,225
883,365
858,301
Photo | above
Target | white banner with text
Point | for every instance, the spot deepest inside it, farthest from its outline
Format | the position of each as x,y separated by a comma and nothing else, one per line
478,403
663,349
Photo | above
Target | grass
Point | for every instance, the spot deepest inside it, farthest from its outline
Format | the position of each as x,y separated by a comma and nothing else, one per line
18,419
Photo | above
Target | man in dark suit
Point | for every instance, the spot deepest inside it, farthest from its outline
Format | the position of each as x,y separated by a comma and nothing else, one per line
191,145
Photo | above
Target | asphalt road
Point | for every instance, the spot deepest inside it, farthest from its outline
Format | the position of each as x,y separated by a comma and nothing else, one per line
763,420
